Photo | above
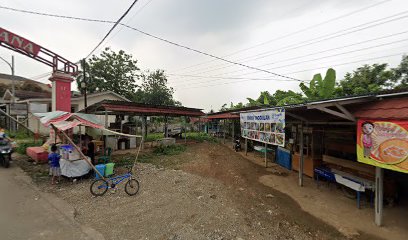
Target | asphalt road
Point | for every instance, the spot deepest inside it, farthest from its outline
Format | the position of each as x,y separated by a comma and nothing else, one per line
26,213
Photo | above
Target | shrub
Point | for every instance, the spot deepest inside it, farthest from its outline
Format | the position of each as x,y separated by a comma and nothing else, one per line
21,147
169,150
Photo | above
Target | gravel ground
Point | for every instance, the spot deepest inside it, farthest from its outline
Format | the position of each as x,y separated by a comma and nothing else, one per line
215,194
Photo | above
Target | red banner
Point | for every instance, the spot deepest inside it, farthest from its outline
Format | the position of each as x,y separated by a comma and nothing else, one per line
18,42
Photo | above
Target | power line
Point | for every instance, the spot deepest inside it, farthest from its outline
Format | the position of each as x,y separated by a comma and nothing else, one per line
306,70
292,33
211,55
133,16
153,36
207,81
315,53
315,40
113,27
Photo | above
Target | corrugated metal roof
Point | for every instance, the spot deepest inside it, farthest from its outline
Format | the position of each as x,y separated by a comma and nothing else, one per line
124,107
226,115
395,108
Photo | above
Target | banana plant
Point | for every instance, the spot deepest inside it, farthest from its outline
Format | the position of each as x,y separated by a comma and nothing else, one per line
320,88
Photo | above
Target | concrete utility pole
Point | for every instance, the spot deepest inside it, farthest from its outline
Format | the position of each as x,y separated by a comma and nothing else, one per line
11,65
84,85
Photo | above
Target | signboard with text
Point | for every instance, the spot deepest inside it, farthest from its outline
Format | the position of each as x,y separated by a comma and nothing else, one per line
264,126
383,144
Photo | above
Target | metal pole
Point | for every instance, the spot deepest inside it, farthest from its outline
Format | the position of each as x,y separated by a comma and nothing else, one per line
85,85
14,81
379,190
301,156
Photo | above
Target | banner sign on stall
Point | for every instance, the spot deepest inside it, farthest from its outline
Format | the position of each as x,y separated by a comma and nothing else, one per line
264,126
383,144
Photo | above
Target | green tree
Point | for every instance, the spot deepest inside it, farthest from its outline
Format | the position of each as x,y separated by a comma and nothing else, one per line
366,79
287,97
111,71
401,73
320,88
154,90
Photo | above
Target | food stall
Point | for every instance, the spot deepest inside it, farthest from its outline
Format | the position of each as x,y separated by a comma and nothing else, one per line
73,162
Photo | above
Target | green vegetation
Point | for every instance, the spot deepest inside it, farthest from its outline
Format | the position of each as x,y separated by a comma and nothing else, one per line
20,134
153,137
366,79
21,148
118,72
166,157
169,150
200,137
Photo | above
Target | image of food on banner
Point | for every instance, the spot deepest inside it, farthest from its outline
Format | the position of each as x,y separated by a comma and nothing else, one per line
264,126
383,144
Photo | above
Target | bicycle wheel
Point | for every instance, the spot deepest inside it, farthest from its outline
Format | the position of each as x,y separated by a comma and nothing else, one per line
99,187
132,187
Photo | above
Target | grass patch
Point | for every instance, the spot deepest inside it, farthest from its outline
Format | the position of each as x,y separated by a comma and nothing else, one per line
21,147
201,137
169,150
162,157
153,137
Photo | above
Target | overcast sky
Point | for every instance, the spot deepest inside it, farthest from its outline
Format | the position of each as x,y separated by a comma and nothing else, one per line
288,37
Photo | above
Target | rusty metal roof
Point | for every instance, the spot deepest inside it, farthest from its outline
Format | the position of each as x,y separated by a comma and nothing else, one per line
223,115
394,108
113,107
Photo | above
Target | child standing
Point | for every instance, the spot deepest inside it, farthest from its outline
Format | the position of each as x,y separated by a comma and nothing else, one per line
53,160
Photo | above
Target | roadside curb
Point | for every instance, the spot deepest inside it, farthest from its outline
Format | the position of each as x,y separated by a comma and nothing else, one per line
60,205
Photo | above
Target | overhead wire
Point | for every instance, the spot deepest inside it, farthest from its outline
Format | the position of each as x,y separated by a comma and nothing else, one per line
158,38
241,75
316,53
315,40
127,22
111,29
306,70
292,33
306,61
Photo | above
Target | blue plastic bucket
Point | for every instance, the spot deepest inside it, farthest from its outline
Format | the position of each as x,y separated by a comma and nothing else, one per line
101,169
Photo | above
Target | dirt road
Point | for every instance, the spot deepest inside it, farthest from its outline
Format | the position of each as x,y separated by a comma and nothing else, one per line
213,194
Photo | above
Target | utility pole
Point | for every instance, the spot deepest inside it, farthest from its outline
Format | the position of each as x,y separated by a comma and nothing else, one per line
11,124
11,65
84,85
14,81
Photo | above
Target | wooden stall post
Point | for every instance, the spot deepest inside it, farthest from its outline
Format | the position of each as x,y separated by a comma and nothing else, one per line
185,130
266,150
224,128
106,119
379,190
79,150
233,130
246,146
166,134
301,155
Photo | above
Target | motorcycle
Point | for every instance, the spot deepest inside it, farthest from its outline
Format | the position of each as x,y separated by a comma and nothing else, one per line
6,150
237,145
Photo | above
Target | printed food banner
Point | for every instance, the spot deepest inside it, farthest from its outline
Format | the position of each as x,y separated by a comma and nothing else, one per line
264,126
383,144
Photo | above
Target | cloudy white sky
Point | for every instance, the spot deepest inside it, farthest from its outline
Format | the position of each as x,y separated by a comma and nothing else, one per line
297,38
